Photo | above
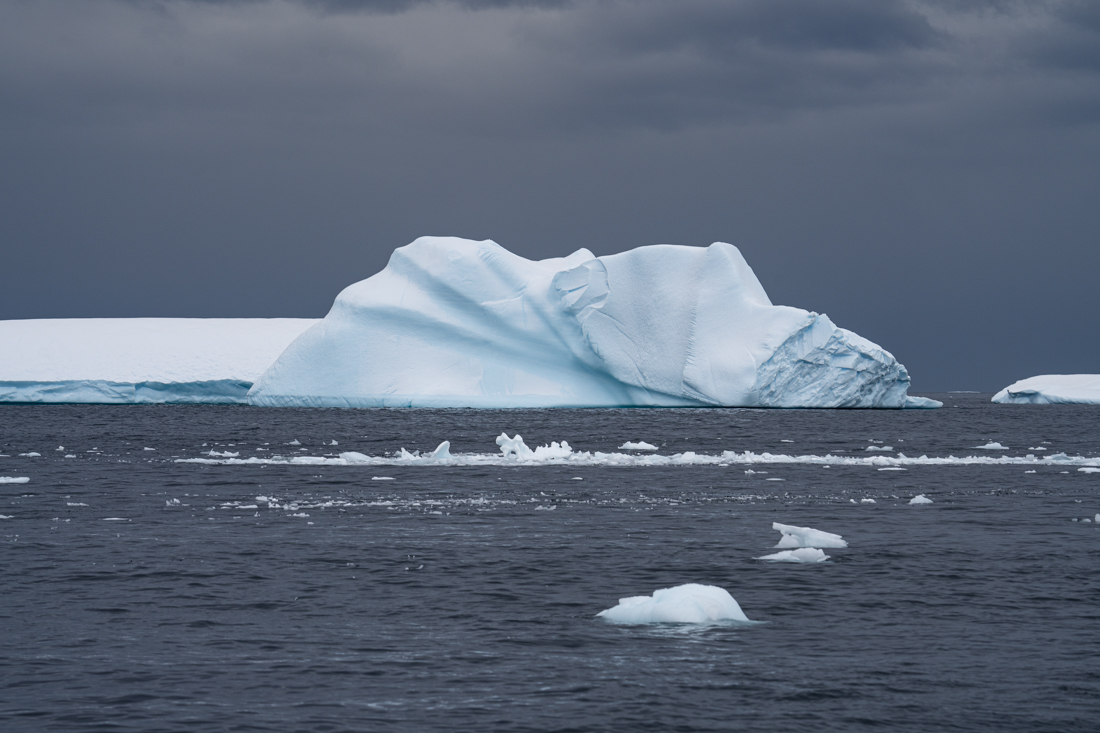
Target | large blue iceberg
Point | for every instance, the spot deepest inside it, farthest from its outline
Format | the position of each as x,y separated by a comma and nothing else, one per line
457,323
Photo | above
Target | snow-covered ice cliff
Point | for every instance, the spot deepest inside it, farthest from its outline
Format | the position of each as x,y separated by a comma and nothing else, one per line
1052,389
127,360
457,323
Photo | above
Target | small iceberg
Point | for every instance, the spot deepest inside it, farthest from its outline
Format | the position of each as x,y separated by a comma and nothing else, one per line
1052,389
14,479
806,537
640,445
920,499
804,554
991,446
684,604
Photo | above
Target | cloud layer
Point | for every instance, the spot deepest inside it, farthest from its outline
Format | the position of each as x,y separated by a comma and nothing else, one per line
922,171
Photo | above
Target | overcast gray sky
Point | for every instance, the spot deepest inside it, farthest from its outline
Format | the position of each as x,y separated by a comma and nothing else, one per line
926,172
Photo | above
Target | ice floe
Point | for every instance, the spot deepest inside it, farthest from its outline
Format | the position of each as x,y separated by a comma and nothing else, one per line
920,499
804,555
14,479
684,604
640,445
806,537
991,445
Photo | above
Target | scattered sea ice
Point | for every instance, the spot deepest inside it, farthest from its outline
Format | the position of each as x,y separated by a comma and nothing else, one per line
640,445
1089,469
804,554
806,537
14,479
684,604
920,499
991,446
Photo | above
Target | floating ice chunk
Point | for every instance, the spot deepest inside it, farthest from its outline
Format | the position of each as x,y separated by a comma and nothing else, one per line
1038,448
1052,389
640,445
381,478
70,455
805,554
516,448
1097,518
879,447
9,516
912,402
920,499
1089,469
866,501
784,440
893,468
216,454
684,604
115,519
806,537
991,446
775,479
442,452
1031,471
32,454
60,447
294,442
14,479
334,443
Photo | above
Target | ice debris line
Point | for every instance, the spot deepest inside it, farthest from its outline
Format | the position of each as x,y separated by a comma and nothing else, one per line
139,360
457,323
1052,389
684,604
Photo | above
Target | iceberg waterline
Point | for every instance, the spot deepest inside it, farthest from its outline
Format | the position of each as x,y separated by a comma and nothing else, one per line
457,323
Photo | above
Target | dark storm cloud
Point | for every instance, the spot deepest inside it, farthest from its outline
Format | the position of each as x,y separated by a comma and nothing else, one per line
921,170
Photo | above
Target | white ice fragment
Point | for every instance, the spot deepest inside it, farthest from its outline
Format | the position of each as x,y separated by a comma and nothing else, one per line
381,478
866,501
893,468
294,442
805,554
879,448
1089,469
1097,518
640,445
148,448
60,447
442,452
9,516
14,479
115,519
75,503
920,499
577,478
222,454
1038,448
784,440
70,455
334,443
991,445
684,604
1031,471
32,454
775,479
806,537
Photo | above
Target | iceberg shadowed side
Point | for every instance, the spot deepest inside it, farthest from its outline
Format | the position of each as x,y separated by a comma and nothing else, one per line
457,323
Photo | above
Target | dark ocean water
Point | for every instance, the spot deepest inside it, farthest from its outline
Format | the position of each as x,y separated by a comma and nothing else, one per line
142,594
